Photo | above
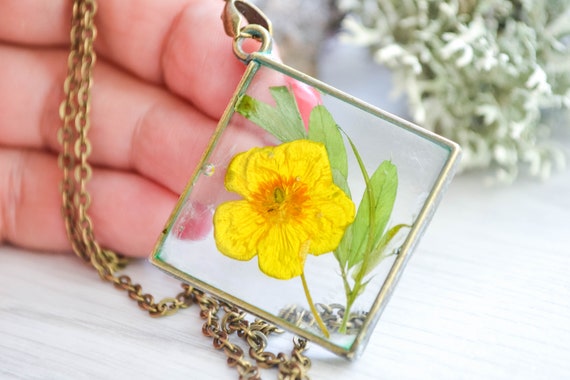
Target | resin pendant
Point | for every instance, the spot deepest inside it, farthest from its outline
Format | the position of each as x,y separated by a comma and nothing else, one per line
307,221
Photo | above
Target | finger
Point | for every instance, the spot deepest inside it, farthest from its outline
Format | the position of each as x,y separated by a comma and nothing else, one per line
177,42
134,125
127,211
36,23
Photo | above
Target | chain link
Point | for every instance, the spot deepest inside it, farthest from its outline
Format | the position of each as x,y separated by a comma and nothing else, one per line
255,335
73,161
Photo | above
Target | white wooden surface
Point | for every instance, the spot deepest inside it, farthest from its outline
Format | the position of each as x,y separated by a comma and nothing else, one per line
485,296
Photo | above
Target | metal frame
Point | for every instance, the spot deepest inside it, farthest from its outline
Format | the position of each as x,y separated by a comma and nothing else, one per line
254,62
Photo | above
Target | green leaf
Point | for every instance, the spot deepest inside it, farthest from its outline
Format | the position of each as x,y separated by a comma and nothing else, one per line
282,120
389,235
383,186
288,108
323,128
379,252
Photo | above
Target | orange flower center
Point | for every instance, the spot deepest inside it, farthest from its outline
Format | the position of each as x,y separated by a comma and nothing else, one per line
281,200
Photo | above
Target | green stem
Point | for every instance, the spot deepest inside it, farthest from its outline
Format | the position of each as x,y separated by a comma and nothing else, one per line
350,298
371,208
348,294
371,214
313,309
351,294
344,275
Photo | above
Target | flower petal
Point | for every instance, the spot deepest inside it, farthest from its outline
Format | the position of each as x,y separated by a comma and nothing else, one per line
280,252
236,175
305,160
248,169
328,215
237,229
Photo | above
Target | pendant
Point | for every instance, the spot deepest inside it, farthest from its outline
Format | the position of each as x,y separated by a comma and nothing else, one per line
307,202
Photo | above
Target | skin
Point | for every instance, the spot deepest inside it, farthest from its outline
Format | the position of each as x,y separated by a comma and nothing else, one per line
164,74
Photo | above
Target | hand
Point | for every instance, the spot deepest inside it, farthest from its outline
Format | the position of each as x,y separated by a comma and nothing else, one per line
164,74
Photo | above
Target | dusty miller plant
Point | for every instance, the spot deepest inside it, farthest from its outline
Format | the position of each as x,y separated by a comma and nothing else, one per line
489,74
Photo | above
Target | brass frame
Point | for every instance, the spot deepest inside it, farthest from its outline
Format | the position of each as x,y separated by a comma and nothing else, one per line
254,62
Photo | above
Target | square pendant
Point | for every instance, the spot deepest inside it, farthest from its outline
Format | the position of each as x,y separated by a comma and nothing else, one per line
306,206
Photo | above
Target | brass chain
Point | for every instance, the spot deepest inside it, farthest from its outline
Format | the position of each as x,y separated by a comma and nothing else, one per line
255,335
73,161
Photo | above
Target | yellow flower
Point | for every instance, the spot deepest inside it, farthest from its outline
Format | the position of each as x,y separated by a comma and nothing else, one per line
290,207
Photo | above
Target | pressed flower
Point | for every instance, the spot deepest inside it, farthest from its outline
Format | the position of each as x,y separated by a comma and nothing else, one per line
290,208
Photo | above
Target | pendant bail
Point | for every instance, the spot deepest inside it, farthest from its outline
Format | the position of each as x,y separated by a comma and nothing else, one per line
238,13
242,21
